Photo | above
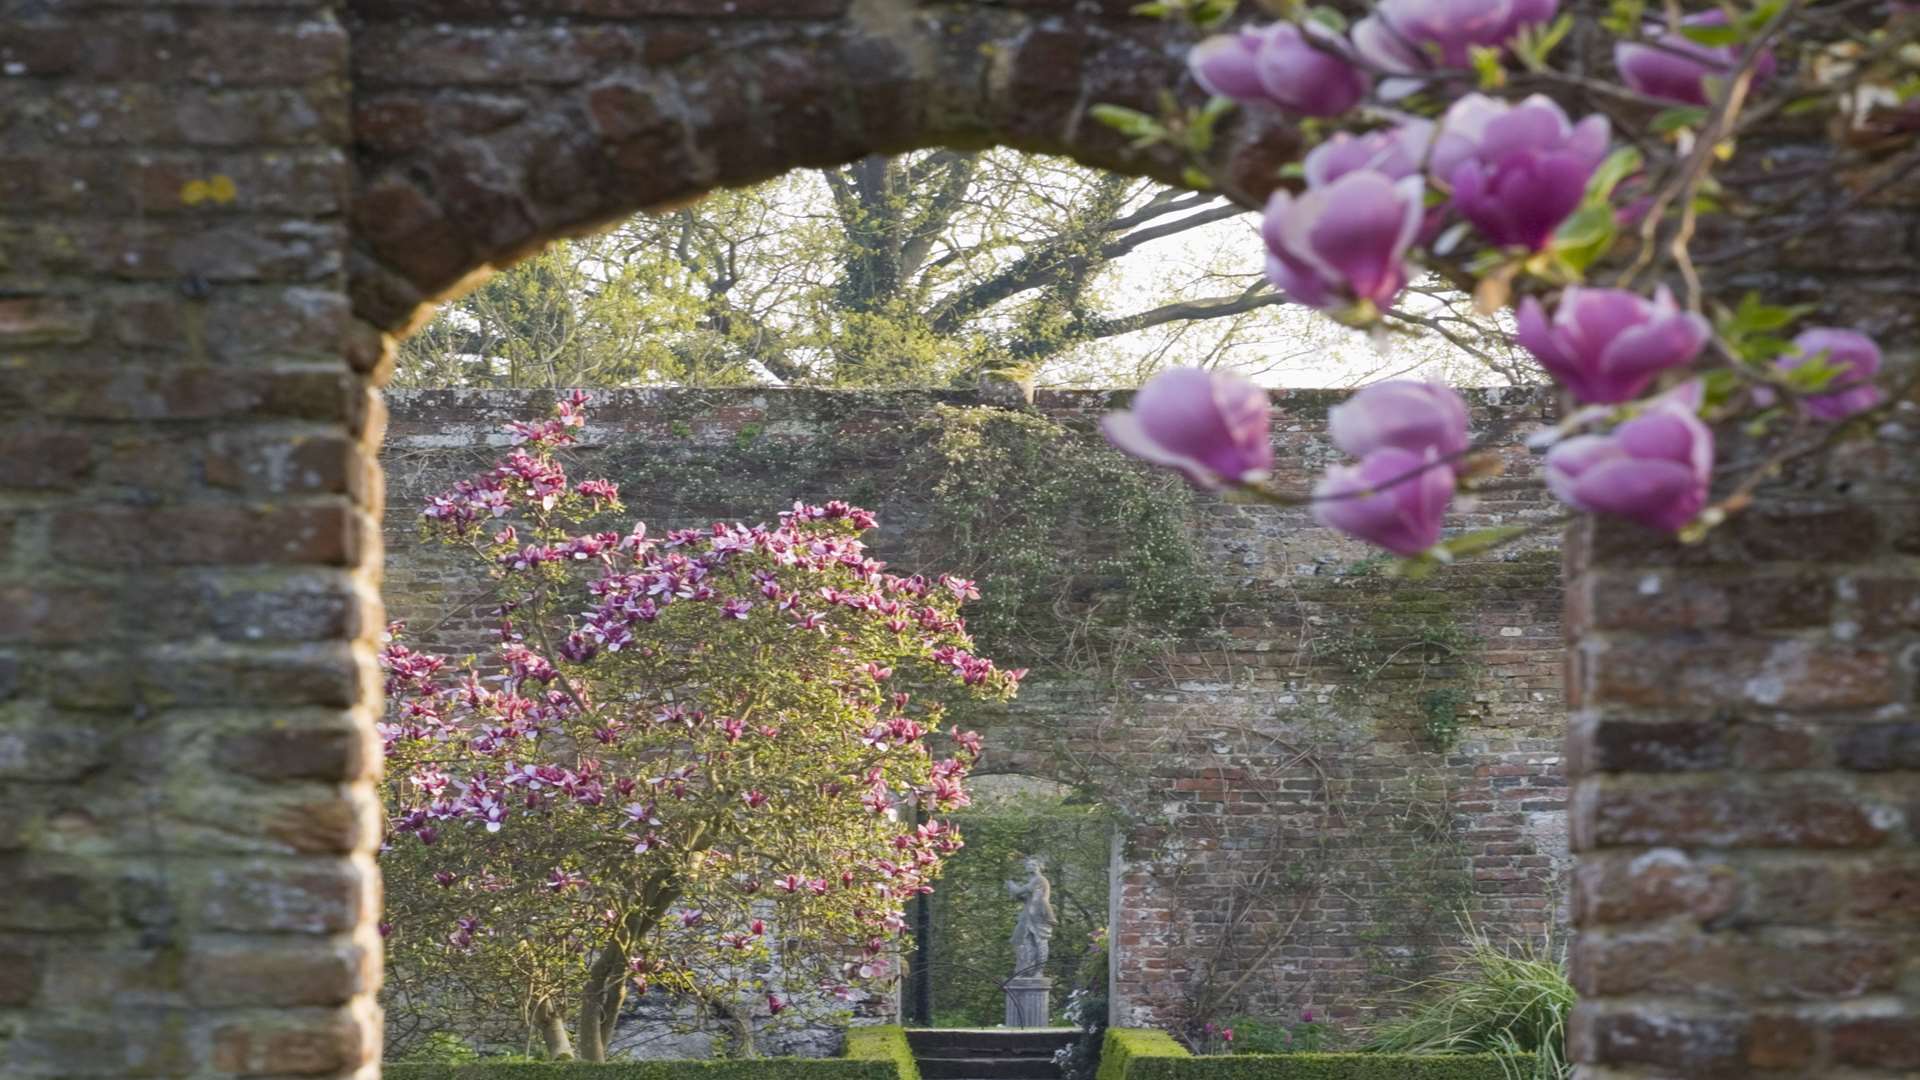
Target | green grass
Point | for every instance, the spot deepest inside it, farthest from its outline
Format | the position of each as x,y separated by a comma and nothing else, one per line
1500,1000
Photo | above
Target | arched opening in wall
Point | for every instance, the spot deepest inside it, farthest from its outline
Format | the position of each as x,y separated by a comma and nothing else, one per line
967,949
933,269
928,270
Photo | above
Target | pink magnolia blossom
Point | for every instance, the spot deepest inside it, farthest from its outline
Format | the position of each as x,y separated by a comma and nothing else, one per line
1344,242
1393,498
1654,469
1212,426
1608,345
1671,66
1407,415
1517,171
1410,36
1853,390
1277,65
1395,153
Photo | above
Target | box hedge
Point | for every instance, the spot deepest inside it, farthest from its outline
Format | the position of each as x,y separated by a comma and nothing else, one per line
1152,1055
889,1044
878,1053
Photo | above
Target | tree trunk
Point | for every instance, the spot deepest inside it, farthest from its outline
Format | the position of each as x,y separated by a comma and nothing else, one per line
553,1031
741,1022
608,973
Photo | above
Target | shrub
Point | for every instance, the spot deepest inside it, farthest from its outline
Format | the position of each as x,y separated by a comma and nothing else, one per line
866,1044
1125,1049
742,1069
1324,1067
1132,1054
1494,1000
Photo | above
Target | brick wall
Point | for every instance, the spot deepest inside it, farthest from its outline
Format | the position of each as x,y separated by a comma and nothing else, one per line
187,549
1294,839
195,194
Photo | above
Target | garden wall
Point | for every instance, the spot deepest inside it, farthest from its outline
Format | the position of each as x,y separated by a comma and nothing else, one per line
1317,776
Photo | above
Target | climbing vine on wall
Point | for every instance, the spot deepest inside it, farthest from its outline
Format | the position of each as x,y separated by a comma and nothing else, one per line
1084,559
1405,650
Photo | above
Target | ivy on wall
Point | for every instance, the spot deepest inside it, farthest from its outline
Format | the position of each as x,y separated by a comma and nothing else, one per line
1084,559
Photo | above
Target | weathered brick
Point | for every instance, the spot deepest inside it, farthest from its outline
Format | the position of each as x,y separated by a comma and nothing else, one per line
1785,814
1732,968
19,973
1786,673
45,320
257,973
1693,1043
323,534
1883,1042
1880,747
1630,888
304,895
53,894
346,750
296,1042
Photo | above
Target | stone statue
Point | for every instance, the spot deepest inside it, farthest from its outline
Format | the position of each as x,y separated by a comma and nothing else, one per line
1034,928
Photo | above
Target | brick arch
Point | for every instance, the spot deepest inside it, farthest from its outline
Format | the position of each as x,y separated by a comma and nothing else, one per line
483,129
202,244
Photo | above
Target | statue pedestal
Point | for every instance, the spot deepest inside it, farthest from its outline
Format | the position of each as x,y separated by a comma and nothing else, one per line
1029,1003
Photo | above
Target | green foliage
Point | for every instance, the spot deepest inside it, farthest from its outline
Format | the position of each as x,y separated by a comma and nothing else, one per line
1510,1000
1088,1009
742,1069
1133,1054
1326,1067
1270,1035
1079,552
916,270
1442,709
1127,1049
973,947
889,1044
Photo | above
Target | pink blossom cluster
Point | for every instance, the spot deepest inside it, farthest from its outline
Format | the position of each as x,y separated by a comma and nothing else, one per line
546,733
1532,184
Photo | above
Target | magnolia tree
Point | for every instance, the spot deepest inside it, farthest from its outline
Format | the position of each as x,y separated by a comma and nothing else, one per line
1445,147
698,763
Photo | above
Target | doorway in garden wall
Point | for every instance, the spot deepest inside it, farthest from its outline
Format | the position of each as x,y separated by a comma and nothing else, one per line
963,952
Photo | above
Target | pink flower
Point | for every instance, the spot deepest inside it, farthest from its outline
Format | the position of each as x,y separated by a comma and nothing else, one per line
1277,65
1852,391
1395,153
1421,35
1344,242
1517,171
1210,425
1608,345
1673,67
1653,469
1393,498
775,1004
1411,416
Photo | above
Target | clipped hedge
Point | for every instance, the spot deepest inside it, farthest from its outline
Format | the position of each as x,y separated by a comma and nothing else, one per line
1128,1050
873,1053
1132,1054
743,1069
888,1043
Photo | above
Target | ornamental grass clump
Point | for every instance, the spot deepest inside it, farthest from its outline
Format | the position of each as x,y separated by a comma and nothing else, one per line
1508,1000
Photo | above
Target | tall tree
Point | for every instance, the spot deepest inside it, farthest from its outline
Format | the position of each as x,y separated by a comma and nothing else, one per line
920,269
